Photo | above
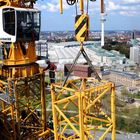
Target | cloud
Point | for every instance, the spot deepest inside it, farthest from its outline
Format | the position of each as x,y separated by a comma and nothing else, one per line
51,6
122,7
112,6
128,13
54,5
125,7
131,1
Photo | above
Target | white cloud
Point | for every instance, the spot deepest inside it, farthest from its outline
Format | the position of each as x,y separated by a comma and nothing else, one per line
52,6
131,1
112,6
125,7
128,13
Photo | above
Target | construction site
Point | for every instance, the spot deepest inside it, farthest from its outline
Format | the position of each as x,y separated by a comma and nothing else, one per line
77,106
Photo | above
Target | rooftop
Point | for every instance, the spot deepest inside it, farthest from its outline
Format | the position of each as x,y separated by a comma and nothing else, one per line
104,52
127,74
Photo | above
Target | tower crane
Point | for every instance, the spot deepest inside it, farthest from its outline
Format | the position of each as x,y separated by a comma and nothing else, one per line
21,79
22,95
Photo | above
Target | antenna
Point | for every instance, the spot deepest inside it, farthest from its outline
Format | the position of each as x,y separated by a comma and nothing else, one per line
102,22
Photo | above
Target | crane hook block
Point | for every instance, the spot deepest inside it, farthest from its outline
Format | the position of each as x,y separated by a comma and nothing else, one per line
81,27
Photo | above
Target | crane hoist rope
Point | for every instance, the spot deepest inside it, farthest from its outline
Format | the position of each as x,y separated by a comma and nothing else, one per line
81,34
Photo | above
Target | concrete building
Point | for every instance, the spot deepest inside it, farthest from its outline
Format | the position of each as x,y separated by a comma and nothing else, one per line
65,52
130,80
112,58
135,54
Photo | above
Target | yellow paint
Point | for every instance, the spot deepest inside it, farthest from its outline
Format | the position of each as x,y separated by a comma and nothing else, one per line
84,28
88,95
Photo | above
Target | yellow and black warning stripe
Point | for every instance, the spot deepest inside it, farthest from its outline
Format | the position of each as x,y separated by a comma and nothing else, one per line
81,27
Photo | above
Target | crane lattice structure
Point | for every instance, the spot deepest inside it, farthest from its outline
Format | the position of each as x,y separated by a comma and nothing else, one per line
79,111
22,91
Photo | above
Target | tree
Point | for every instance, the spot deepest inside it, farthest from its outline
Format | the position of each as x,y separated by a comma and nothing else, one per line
120,123
123,48
124,93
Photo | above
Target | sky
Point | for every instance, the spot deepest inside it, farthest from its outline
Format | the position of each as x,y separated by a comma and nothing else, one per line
120,15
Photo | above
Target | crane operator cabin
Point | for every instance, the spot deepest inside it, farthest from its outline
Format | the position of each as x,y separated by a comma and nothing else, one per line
19,24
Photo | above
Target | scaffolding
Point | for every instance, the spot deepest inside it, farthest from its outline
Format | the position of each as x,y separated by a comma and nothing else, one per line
79,112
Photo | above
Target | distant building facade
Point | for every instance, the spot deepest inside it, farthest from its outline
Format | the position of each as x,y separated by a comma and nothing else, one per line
135,54
124,78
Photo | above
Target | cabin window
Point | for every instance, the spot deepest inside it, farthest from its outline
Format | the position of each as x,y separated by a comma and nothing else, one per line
28,25
9,21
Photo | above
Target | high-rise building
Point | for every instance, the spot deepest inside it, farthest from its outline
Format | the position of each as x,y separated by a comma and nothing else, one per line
135,54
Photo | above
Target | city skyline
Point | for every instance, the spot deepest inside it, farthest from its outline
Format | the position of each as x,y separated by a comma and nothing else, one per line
121,15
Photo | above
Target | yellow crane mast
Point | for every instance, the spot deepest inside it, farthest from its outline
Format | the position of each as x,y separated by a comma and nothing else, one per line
22,91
